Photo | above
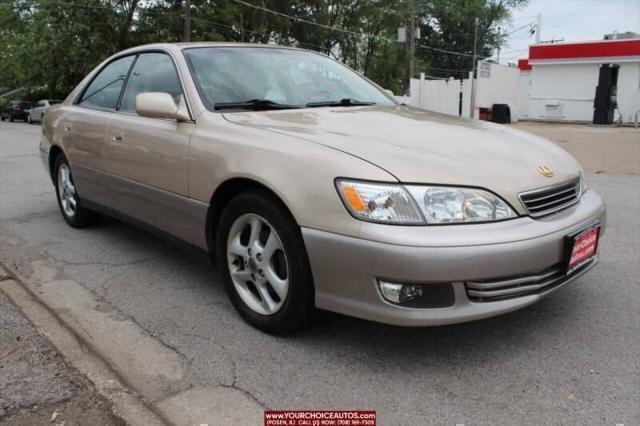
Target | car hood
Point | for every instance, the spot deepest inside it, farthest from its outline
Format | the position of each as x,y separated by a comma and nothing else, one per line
418,146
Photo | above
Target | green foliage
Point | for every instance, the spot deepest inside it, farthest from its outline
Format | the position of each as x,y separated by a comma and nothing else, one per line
53,44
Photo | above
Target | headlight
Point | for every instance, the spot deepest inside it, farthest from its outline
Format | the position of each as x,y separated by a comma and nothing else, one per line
447,204
379,202
414,205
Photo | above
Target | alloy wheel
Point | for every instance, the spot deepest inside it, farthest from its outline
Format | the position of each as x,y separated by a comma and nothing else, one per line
67,191
257,264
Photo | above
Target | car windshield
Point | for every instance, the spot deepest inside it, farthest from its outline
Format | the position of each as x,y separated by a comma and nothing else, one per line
273,78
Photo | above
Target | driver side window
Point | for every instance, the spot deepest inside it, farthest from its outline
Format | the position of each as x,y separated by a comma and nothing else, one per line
152,72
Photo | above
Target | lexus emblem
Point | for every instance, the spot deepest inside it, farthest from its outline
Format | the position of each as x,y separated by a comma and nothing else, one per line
545,170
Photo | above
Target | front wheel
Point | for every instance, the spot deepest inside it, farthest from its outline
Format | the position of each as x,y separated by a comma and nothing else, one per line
28,120
70,204
263,262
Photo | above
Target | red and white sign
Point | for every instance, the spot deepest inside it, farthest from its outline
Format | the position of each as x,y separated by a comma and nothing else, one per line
584,248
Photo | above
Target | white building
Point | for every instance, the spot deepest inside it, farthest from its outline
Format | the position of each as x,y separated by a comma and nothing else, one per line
558,81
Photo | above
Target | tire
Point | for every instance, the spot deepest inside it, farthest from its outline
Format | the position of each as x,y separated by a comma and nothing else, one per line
28,119
69,202
11,118
267,307
2,118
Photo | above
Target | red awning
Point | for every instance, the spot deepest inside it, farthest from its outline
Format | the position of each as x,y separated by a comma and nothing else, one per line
590,49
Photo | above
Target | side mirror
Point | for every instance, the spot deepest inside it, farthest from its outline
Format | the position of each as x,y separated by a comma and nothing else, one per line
160,105
389,92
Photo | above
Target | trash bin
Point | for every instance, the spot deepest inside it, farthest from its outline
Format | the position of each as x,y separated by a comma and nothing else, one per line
501,113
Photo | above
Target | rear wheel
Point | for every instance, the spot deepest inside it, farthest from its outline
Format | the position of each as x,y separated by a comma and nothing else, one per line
11,118
264,265
70,204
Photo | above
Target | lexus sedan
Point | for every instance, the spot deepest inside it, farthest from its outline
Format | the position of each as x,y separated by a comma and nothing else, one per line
310,187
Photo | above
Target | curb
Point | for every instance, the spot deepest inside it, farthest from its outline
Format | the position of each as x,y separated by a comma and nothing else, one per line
79,352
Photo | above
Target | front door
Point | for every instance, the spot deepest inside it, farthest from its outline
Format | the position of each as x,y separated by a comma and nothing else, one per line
147,158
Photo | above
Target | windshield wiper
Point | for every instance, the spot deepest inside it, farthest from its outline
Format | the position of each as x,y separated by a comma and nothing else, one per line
253,104
341,102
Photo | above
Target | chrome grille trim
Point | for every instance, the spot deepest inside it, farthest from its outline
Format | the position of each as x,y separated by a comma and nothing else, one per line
490,290
544,201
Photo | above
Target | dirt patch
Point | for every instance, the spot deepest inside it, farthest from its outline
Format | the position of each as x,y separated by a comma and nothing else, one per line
86,409
35,381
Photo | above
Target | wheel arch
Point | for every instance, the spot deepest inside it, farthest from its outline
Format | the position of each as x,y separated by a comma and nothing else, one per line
54,152
221,197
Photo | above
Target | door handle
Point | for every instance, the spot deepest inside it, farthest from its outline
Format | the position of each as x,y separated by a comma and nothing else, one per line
116,138
67,128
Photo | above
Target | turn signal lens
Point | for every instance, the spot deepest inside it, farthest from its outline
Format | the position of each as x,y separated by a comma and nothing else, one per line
353,199
379,202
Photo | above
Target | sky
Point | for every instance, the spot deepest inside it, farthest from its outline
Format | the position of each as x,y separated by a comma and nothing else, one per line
572,20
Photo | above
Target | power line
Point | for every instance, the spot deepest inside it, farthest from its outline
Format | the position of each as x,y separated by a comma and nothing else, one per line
529,25
237,29
446,51
306,21
295,18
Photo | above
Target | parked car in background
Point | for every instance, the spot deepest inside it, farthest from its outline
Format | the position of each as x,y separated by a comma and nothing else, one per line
312,187
16,110
37,112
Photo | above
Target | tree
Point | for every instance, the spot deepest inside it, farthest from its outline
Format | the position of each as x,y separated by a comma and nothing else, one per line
53,44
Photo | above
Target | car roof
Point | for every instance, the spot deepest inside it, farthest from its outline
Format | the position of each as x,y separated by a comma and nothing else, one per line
189,45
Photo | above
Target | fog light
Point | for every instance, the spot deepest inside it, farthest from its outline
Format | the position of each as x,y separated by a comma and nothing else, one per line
399,293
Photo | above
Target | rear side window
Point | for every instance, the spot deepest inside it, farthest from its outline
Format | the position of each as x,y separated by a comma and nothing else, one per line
153,72
104,90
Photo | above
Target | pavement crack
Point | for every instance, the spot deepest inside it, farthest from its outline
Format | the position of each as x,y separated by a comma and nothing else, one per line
95,262
234,369
103,285
247,393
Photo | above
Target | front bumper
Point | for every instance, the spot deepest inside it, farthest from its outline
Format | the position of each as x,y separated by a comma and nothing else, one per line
346,269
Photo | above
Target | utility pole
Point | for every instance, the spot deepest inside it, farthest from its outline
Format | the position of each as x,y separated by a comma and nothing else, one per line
412,38
473,71
475,47
538,24
186,36
499,31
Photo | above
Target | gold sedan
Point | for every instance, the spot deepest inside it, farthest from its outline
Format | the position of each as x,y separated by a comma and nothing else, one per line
311,187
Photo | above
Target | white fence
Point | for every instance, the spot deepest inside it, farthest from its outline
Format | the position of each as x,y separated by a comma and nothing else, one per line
451,96
496,84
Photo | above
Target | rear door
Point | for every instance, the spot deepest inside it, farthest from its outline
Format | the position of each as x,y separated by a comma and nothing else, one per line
85,130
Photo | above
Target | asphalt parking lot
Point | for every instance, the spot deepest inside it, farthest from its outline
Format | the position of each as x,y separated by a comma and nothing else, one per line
572,358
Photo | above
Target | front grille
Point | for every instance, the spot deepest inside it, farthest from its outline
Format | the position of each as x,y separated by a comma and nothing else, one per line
491,290
549,200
